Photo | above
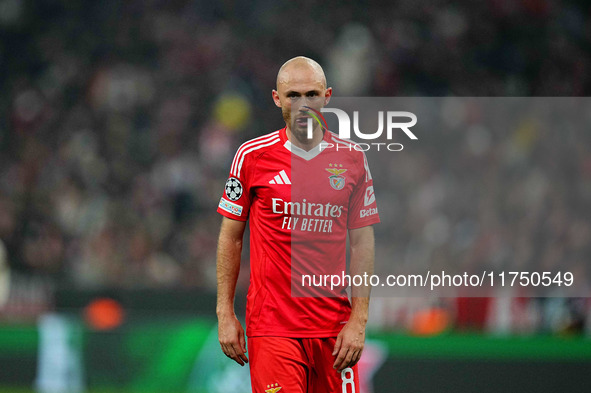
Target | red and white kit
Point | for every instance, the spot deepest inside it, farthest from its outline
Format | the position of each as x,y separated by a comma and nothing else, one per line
300,205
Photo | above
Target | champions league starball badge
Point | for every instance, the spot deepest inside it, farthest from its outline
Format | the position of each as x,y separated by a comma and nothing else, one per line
233,189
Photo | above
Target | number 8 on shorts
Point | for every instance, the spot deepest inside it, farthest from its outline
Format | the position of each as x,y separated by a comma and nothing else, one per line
348,380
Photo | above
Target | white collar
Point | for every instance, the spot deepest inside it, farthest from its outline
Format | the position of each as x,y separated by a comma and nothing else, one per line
306,155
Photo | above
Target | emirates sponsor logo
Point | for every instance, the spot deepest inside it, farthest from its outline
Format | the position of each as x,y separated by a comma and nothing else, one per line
305,208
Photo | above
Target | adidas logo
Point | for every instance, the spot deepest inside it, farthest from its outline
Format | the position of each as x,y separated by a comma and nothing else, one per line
281,178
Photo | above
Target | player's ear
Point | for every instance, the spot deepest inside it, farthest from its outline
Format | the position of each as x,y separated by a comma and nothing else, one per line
327,95
276,98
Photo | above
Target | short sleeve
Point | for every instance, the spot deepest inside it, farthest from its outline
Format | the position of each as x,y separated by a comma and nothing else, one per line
363,209
235,200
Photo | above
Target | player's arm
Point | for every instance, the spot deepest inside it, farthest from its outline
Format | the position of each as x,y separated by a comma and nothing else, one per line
351,339
230,331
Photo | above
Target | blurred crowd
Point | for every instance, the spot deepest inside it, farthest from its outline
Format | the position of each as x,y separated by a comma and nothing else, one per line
119,120
503,185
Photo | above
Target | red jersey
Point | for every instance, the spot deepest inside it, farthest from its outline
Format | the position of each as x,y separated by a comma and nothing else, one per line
300,205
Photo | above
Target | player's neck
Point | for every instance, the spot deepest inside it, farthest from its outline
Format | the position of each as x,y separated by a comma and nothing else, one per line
302,141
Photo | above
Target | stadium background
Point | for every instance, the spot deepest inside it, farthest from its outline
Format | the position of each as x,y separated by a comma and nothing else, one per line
118,121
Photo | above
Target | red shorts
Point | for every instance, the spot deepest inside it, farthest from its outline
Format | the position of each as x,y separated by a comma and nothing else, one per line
297,365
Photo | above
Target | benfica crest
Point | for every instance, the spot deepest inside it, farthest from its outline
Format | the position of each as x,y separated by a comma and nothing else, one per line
336,180
273,388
